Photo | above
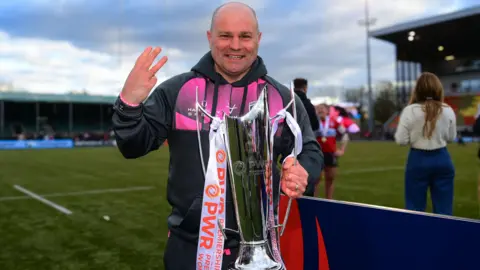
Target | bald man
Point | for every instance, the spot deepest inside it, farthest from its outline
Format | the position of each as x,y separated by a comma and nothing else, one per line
229,79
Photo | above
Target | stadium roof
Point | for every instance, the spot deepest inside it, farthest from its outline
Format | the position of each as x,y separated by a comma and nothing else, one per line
56,98
456,33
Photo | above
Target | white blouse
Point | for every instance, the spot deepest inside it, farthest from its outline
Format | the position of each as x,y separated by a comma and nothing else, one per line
410,128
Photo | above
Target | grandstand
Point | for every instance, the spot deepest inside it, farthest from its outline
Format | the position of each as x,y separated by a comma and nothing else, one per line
447,45
36,116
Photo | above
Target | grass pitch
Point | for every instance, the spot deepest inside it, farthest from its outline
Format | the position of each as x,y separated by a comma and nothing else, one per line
120,209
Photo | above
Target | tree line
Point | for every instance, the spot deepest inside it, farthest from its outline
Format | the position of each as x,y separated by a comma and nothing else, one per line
385,102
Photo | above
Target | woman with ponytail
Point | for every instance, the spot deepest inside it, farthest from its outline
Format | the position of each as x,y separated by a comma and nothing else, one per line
427,124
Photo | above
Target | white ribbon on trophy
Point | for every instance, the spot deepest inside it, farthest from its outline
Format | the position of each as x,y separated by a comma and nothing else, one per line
211,234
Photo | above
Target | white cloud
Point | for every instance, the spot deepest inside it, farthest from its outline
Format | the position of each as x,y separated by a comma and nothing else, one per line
57,66
319,40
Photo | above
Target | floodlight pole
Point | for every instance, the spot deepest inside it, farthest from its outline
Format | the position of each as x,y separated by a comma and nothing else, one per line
367,22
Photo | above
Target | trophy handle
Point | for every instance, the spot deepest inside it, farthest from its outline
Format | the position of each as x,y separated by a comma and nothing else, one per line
199,107
295,152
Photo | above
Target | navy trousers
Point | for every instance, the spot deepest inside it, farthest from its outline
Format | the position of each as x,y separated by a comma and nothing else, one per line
429,170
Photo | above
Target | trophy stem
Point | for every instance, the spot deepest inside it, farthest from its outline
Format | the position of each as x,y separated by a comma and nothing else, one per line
255,255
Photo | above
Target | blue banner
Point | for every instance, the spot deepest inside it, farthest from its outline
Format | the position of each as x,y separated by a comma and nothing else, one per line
12,144
94,143
35,144
332,235
468,139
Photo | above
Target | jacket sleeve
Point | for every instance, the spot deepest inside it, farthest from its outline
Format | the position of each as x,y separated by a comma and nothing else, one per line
476,127
311,157
143,128
452,128
312,115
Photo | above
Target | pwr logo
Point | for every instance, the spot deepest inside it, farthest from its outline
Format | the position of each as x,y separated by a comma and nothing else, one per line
212,191
221,156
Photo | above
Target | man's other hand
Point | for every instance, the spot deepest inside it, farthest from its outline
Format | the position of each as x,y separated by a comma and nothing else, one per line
294,178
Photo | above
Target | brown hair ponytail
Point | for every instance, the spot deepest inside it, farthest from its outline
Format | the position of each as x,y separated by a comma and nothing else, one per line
432,109
429,92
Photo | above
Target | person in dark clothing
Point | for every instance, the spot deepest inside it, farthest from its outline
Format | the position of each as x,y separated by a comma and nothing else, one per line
476,132
476,125
228,79
300,86
476,135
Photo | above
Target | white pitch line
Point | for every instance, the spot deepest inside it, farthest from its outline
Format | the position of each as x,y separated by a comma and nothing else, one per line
98,191
78,193
45,201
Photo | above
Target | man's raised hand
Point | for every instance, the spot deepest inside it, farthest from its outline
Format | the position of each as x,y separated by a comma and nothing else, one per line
141,78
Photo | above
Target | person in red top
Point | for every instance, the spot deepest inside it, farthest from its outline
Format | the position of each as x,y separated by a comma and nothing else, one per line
330,129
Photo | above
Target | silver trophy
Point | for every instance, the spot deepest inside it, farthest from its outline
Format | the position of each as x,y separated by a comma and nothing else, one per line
249,145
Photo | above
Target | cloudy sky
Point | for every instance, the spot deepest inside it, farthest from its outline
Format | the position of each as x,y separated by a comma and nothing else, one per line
56,46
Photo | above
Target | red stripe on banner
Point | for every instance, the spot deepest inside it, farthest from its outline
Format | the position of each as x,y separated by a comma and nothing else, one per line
291,242
322,251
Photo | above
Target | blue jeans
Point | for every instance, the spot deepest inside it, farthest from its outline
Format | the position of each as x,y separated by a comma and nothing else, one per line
429,169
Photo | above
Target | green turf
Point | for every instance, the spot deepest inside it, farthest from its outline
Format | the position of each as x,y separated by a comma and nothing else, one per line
36,236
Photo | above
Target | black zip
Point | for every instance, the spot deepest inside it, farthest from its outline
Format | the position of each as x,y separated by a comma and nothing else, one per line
215,98
244,101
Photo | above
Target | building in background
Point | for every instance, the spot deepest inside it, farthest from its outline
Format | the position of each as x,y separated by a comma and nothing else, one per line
39,116
447,45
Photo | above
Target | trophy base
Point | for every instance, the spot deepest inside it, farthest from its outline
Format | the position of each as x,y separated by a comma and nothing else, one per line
255,255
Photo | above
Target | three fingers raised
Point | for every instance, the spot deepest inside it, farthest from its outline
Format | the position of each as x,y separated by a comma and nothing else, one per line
145,60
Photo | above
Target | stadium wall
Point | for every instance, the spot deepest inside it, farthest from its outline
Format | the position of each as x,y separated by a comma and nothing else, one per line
34,120
468,82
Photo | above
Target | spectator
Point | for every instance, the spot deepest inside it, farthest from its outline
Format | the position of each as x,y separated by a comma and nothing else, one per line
454,87
300,86
476,125
476,134
427,124
476,129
